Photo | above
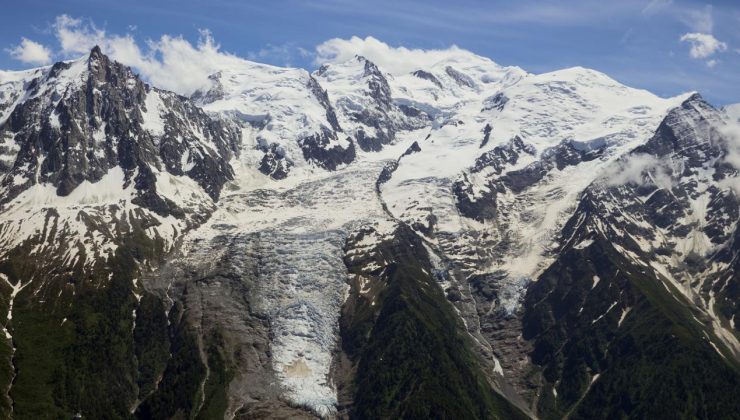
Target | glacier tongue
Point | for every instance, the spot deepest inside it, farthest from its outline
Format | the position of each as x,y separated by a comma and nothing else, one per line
302,286
291,235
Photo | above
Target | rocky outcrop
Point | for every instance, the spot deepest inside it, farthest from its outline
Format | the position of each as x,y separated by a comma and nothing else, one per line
325,150
479,201
421,74
274,163
85,117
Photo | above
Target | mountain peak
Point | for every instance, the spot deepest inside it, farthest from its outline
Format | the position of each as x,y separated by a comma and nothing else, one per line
693,98
96,52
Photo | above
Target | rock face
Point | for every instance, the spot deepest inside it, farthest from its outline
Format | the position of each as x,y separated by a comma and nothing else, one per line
370,114
463,240
323,149
491,164
428,76
85,117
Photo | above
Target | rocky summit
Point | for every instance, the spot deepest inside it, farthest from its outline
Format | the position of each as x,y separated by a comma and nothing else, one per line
465,240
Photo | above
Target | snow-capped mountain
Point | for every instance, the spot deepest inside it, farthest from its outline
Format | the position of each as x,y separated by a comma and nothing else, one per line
91,153
286,112
460,240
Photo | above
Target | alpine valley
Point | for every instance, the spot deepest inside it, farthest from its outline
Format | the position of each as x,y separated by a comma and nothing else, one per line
463,241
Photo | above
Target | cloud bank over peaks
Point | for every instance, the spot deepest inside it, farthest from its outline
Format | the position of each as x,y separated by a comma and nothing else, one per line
395,60
175,64
171,63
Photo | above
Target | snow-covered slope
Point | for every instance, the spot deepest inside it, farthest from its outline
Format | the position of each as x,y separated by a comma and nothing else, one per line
451,82
360,92
558,118
295,126
671,206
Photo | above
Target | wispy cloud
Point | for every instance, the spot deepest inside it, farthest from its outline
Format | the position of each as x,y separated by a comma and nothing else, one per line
639,169
461,17
283,54
626,36
656,6
699,20
696,19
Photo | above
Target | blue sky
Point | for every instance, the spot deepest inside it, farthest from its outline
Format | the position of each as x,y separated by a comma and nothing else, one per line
666,46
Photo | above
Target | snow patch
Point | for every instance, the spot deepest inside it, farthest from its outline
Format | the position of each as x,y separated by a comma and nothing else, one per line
153,122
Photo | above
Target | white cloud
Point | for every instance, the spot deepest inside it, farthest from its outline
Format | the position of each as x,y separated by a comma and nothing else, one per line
30,52
396,60
175,64
712,63
703,45
640,169
731,135
76,37
629,170
171,63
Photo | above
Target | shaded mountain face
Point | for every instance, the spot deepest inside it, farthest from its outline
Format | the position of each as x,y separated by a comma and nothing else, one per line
643,269
464,240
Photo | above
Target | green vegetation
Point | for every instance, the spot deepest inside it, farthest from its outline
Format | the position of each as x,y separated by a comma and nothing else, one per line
179,390
78,349
657,368
416,361
656,364
74,344
218,381
151,343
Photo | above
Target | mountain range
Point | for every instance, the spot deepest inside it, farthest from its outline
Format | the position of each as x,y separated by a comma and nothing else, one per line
466,240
